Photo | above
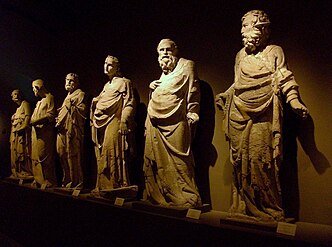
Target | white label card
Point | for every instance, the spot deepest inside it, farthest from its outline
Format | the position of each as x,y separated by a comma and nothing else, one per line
76,192
20,182
286,228
119,201
193,213
43,186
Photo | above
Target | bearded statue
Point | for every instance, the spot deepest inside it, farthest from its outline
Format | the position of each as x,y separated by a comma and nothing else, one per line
172,111
255,30
253,110
167,57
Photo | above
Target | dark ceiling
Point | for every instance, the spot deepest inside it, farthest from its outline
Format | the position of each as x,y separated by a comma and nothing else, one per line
48,38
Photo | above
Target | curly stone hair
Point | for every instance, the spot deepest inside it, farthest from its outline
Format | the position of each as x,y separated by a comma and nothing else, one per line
75,77
262,17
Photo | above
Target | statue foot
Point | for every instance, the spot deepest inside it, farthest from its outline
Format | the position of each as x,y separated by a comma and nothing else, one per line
34,184
22,174
79,186
95,192
68,186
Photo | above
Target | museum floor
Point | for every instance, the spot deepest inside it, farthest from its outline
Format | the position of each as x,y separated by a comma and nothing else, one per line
34,217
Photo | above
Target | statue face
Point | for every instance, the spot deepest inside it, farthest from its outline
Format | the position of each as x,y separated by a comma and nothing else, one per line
165,49
36,90
167,56
15,96
71,83
251,33
110,67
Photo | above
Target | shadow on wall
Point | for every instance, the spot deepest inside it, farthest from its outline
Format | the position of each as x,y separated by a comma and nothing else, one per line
307,139
136,174
204,152
294,127
89,159
4,145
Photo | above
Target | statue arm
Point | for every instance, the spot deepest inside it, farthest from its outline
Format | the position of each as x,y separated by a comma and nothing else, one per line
223,99
78,115
94,102
194,95
49,115
51,111
80,105
27,116
128,107
288,85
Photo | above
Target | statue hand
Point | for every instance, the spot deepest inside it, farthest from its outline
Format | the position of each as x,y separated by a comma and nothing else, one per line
192,117
123,128
221,99
98,112
153,85
299,108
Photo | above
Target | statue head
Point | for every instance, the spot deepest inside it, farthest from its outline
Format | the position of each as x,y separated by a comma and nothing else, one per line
168,51
112,66
38,88
72,82
255,30
17,96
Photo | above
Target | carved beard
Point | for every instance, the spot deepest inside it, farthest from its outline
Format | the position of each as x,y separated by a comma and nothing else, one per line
167,63
251,40
70,88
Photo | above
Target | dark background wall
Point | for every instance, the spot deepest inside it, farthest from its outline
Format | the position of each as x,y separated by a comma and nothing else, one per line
48,39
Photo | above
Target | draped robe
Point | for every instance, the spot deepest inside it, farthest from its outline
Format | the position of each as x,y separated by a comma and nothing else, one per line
253,123
42,142
70,136
114,104
20,141
168,161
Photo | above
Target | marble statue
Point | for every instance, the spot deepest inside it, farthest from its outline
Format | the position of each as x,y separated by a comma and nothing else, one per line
112,124
43,136
20,137
253,108
172,113
70,133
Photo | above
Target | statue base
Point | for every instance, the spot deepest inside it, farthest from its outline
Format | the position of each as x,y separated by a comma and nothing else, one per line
128,193
174,211
69,191
238,219
20,180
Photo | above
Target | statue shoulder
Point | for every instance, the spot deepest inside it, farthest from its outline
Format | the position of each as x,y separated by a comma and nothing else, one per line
80,92
127,81
25,104
186,61
240,55
274,49
49,97
121,79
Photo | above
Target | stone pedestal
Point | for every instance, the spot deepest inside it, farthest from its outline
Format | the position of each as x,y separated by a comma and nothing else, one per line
128,193
173,211
252,222
20,180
